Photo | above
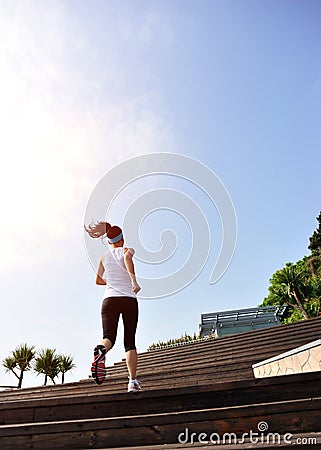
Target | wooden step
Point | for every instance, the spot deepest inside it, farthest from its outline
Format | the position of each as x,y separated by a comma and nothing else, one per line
166,380
169,377
267,348
293,416
196,358
209,360
302,441
302,386
253,336
204,387
151,379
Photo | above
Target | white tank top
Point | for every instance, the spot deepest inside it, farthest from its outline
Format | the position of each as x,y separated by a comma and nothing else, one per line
117,277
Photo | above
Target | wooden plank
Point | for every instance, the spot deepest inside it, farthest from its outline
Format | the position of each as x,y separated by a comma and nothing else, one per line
302,437
310,408
292,328
304,379
221,345
289,417
167,368
206,374
182,399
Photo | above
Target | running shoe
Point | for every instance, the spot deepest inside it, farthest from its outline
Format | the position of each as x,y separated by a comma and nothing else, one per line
98,369
134,386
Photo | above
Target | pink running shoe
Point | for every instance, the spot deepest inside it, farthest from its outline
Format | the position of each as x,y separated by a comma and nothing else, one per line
98,369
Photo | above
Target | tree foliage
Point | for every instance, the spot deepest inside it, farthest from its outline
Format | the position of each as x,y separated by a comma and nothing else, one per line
46,362
315,239
299,284
66,363
19,360
184,339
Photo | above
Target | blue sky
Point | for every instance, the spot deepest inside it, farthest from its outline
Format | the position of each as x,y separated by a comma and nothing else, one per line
85,86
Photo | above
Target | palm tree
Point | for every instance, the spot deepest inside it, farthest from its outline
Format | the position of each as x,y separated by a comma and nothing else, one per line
10,365
66,363
315,239
48,364
21,359
291,281
314,264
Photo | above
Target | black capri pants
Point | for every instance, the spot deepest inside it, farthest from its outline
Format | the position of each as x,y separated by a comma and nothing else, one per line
111,309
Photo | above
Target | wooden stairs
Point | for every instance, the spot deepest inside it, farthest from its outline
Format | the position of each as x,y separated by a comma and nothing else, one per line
195,396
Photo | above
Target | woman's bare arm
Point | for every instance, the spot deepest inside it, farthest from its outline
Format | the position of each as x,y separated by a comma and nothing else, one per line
128,260
100,272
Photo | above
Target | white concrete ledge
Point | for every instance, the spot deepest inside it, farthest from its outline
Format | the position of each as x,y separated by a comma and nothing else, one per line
306,358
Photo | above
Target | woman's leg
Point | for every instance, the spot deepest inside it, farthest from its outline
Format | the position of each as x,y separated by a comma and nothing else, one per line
110,315
107,344
131,361
130,319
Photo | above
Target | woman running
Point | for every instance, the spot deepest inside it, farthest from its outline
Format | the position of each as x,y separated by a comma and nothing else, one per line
119,299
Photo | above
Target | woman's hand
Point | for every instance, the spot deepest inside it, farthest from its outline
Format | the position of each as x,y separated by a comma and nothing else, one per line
136,287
